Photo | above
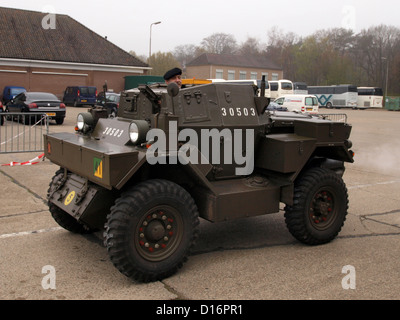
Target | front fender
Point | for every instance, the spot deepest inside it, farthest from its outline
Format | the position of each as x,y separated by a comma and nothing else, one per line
103,163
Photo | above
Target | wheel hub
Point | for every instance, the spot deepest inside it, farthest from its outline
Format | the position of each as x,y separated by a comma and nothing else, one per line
156,237
155,231
322,207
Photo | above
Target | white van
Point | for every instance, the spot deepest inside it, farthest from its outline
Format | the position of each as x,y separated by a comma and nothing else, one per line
299,103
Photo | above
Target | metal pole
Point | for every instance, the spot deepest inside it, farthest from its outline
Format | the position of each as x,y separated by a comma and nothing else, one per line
158,22
387,75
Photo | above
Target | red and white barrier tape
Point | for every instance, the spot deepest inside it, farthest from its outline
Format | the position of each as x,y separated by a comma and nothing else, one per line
26,163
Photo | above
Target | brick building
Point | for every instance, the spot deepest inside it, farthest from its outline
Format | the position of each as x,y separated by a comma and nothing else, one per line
43,56
232,67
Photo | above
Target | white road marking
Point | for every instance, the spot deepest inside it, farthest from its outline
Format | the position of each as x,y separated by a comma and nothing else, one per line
27,233
373,184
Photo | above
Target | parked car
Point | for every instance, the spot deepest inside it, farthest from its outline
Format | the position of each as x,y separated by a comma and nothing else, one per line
273,106
37,103
299,103
10,92
80,95
111,103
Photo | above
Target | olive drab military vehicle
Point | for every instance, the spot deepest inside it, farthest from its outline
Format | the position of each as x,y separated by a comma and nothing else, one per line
211,151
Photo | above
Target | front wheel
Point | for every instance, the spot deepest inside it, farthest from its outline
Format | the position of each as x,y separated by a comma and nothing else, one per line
151,230
319,207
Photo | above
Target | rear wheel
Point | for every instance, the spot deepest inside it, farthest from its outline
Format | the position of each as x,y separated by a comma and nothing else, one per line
60,120
319,208
151,230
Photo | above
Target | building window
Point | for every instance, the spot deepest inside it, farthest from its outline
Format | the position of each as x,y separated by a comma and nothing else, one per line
275,76
219,74
242,75
231,74
253,75
265,74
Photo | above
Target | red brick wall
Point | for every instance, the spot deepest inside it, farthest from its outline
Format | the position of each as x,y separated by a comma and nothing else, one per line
35,79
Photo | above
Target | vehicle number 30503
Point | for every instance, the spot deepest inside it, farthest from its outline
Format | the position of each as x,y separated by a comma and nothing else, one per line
238,112
113,132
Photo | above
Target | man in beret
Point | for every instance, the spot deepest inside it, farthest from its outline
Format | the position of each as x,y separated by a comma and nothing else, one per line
174,75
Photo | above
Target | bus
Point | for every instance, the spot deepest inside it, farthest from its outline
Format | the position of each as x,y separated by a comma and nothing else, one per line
280,88
255,83
337,96
300,88
370,97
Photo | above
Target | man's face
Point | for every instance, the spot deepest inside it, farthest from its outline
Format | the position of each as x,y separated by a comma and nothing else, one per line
177,79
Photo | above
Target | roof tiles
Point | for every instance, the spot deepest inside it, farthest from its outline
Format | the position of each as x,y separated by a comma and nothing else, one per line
23,37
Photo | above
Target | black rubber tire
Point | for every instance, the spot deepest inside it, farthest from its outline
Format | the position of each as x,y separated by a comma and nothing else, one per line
64,219
60,120
319,208
151,229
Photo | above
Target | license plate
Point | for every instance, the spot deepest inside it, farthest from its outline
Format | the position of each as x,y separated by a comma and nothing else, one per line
83,100
309,109
51,114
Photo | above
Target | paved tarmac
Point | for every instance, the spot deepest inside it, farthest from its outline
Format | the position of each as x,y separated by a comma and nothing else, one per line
248,259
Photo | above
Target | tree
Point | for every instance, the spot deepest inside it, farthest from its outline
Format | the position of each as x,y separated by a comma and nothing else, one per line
251,47
376,47
186,53
141,57
281,48
219,43
161,63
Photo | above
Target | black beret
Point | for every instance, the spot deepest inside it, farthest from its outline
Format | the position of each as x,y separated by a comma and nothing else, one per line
172,73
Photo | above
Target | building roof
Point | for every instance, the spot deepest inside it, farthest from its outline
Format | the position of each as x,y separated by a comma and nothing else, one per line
23,37
234,60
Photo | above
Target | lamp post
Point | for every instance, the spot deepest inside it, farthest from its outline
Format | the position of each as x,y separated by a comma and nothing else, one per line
158,22
387,75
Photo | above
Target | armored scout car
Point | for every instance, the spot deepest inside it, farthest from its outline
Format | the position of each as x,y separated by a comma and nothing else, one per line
211,151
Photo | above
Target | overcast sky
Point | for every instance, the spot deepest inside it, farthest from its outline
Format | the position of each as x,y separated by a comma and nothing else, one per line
127,23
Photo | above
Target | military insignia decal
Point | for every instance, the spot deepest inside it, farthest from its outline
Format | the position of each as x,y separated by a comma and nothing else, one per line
98,168
69,198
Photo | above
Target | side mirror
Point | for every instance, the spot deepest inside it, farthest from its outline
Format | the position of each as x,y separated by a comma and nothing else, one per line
173,89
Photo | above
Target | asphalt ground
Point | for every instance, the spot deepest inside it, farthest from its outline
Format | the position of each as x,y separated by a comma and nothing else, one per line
247,259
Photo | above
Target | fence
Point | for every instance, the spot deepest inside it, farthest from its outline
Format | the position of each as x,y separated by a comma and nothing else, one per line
22,132
337,117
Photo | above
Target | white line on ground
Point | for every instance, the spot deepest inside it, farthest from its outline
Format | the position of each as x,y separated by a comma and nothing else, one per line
27,233
373,184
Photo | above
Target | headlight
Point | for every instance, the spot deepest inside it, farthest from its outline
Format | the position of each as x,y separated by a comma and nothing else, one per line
84,122
134,132
138,130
